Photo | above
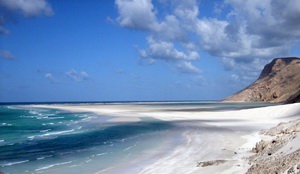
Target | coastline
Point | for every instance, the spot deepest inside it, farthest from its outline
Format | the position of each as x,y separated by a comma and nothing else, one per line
233,146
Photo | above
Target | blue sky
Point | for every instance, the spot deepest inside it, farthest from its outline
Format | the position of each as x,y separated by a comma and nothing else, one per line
76,50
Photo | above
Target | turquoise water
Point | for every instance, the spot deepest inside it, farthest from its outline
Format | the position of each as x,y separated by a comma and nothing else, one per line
48,140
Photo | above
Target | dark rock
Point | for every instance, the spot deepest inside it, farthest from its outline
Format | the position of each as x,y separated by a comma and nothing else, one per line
210,163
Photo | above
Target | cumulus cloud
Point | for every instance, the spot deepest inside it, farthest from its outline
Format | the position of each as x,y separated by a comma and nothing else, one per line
188,68
272,21
253,29
247,36
160,49
6,55
136,14
28,7
71,74
253,33
3,30
77,76
168,39
50,77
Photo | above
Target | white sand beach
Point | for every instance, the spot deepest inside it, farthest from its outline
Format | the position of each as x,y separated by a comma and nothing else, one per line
230,135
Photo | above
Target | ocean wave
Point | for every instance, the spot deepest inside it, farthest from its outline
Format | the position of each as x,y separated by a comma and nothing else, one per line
52,165
53,118
72,122
27,116
83,116
79,127
46,130
34,112
58,132
128,155
38,113
11,107
101,154
39,137
41,114
43,157
51,134
104,170
128,148
88,118
5,124
86,149
74,166
66,153
10,144
14,163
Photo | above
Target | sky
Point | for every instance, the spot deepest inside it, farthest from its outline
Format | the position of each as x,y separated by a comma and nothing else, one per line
140,50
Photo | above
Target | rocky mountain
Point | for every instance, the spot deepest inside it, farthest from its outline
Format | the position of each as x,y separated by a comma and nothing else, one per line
278,82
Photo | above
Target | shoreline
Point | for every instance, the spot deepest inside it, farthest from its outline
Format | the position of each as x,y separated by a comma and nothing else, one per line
244,126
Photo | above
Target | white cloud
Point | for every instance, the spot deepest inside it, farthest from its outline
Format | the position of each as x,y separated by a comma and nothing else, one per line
72,74
218,7
251,33
248,70
77,76
50,77
167,38
6,55
170,29
254,32
28,7
3,30
187,10
273,21
188,68
159,49
235,77
136,14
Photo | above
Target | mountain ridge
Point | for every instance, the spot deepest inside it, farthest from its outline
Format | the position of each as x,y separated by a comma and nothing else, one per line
279,81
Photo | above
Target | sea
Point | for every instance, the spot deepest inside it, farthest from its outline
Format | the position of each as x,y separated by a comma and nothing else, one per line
38,140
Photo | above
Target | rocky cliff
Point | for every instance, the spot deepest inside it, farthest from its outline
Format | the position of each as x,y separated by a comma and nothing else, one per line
278,82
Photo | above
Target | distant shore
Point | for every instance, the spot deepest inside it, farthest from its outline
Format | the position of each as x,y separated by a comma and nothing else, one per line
229,146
